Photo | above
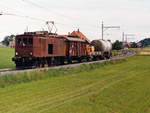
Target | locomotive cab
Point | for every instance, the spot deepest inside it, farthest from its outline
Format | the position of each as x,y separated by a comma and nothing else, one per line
23,50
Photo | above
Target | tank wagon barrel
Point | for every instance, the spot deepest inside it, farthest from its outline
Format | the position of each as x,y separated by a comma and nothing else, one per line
102,45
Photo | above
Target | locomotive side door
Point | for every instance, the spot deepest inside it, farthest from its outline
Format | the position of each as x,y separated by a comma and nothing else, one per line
42,47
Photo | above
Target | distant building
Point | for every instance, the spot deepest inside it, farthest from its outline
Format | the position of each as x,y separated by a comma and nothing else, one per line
139,44
12,44
80,35
127,44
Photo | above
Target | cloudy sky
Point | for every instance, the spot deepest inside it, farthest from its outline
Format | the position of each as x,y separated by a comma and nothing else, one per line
131,15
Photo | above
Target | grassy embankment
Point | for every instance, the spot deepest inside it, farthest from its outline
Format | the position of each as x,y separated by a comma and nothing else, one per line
6,55
114,87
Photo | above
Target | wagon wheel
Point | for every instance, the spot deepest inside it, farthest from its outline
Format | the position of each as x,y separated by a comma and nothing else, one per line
80,60
87,59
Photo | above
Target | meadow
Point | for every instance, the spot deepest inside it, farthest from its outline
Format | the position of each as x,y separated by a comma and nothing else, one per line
111,87
144,52
6,55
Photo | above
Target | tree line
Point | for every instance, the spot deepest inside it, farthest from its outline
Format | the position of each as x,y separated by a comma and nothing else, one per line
7,39
117,45
145,42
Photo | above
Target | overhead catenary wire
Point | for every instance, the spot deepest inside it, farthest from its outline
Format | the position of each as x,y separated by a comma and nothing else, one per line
14,12
47,9
56,13
22,16
31,18
32,3
3,5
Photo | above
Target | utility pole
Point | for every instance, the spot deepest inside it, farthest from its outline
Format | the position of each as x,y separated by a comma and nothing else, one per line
104,28
123,37
128,35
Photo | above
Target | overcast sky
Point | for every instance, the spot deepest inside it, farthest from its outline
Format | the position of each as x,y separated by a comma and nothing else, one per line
131,15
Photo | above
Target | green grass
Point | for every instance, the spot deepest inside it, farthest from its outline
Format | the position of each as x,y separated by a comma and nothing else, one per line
115,53
119,88
6,55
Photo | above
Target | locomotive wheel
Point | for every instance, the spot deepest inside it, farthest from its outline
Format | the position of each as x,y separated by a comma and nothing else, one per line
18,65
49,62
56,61
37,64
87,59
62,61
69,61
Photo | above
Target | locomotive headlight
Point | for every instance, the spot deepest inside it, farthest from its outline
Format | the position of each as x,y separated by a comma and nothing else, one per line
31,53
16,53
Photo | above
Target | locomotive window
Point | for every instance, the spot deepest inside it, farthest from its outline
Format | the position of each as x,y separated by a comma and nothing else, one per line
25,40
30,41
19,41
50,48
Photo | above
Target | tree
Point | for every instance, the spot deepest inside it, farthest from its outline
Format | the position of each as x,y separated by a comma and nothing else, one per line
145,42
117,45
7,39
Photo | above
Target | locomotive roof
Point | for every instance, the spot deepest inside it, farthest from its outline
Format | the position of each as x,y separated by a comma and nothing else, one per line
50,35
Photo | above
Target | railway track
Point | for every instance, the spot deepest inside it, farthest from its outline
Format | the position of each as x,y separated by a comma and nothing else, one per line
15,71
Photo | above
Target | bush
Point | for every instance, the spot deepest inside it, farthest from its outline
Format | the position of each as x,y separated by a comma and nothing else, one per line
117,45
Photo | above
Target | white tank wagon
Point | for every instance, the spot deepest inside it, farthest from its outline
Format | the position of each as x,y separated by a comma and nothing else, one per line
102,46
